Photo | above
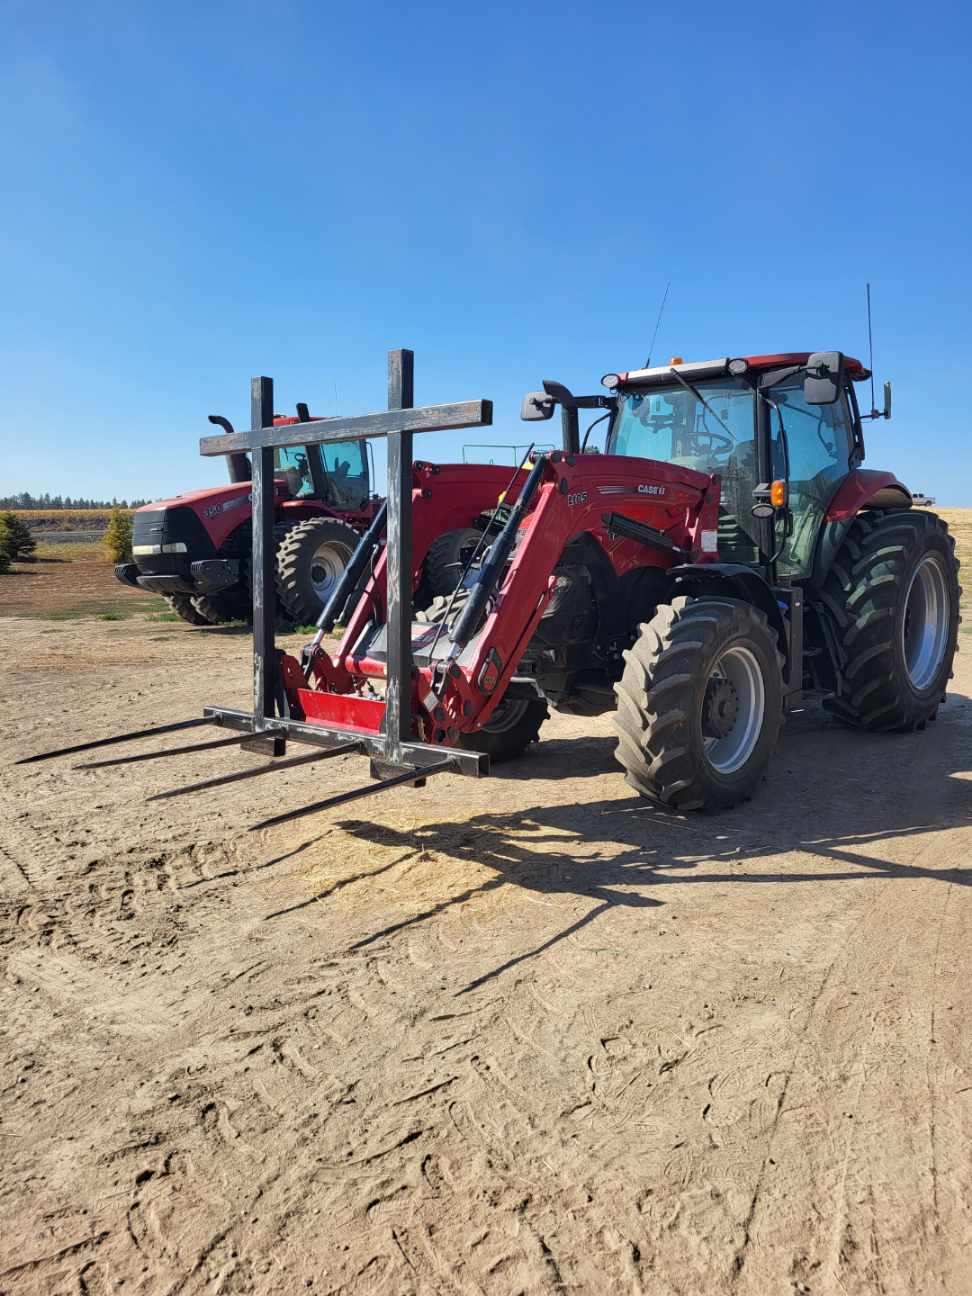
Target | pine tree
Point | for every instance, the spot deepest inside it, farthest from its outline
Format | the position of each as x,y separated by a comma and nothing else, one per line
20,543
118,537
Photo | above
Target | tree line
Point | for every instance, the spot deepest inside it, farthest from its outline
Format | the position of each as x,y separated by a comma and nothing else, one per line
24,500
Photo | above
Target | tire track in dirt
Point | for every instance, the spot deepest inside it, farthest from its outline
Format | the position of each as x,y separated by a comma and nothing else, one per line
315,1096
840,1059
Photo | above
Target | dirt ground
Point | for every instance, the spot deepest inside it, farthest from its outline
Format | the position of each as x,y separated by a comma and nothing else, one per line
71,580
522,1035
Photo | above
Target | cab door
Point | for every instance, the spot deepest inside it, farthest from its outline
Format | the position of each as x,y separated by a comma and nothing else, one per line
813,446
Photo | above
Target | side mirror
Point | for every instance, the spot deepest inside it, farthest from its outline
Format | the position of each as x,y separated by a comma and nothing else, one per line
825,378
887,400
536,406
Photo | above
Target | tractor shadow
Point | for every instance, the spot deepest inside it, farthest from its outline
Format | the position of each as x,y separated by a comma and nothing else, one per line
833,796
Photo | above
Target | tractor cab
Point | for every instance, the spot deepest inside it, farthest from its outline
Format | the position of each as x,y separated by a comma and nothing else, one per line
781,431
337,474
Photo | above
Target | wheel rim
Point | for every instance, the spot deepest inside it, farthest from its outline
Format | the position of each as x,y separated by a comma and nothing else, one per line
326,568
732,710
506,716
924,630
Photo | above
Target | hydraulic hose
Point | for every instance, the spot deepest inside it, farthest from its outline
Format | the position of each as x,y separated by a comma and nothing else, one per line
492,568
347,582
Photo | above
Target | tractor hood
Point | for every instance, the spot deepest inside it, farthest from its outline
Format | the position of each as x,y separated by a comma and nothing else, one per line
197,522
217,497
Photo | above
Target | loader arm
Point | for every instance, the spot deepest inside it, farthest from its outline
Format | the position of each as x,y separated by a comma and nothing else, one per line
457,686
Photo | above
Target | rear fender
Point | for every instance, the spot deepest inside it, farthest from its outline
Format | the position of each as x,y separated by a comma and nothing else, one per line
867,488
732,580
862,488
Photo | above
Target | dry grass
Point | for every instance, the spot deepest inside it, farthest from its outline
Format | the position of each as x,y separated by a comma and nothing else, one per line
41,520
79,551
960,525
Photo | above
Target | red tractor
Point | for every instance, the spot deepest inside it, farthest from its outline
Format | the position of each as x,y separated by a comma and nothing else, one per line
726,557
194,549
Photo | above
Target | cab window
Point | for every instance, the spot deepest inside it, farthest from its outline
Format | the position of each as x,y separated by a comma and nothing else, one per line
819,442
346,465
291,462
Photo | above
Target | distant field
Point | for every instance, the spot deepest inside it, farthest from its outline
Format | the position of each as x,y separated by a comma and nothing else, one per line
41,521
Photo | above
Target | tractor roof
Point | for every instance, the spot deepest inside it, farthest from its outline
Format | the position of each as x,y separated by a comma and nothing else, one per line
699,369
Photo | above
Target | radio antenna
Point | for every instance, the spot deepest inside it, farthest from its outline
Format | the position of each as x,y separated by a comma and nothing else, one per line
661,311
870,349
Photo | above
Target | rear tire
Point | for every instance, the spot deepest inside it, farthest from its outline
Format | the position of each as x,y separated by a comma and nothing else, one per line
311,558
182,605
700,704
893,597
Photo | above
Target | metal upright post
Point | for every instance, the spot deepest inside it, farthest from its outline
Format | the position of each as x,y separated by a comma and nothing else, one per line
398,694
264,592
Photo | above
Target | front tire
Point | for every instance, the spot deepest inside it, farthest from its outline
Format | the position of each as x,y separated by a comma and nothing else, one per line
893,597
182,606
224,607
700,704
513,726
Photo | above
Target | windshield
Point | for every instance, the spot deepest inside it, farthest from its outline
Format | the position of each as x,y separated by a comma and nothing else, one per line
671,424
291,462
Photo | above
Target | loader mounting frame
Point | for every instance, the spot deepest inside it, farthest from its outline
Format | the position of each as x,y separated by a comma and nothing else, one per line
395,751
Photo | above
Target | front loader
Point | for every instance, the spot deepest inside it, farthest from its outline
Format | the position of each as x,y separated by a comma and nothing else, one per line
722,558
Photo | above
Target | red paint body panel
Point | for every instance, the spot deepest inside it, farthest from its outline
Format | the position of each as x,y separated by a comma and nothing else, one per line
342,710
853,367
857,489
782,359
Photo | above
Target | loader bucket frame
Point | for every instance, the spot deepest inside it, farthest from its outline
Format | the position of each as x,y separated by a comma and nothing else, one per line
394,752
396,756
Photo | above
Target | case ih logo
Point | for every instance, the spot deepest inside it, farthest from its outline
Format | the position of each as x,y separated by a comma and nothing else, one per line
645,489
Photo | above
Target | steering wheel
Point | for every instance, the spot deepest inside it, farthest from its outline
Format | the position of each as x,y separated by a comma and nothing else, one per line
718,442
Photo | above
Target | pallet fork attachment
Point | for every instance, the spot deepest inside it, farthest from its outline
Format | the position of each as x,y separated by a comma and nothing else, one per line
417,776
239,775
188,749
397,757
118,738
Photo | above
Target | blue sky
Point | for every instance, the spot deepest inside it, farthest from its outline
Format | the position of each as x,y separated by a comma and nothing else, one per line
196,193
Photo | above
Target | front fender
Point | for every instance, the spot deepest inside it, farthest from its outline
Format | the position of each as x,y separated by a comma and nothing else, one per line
732,580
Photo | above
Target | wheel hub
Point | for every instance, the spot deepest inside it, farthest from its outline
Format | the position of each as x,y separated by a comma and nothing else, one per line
720,708
326,569
733,709
925,626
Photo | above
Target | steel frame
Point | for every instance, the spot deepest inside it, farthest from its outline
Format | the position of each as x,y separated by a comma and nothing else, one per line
395,751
